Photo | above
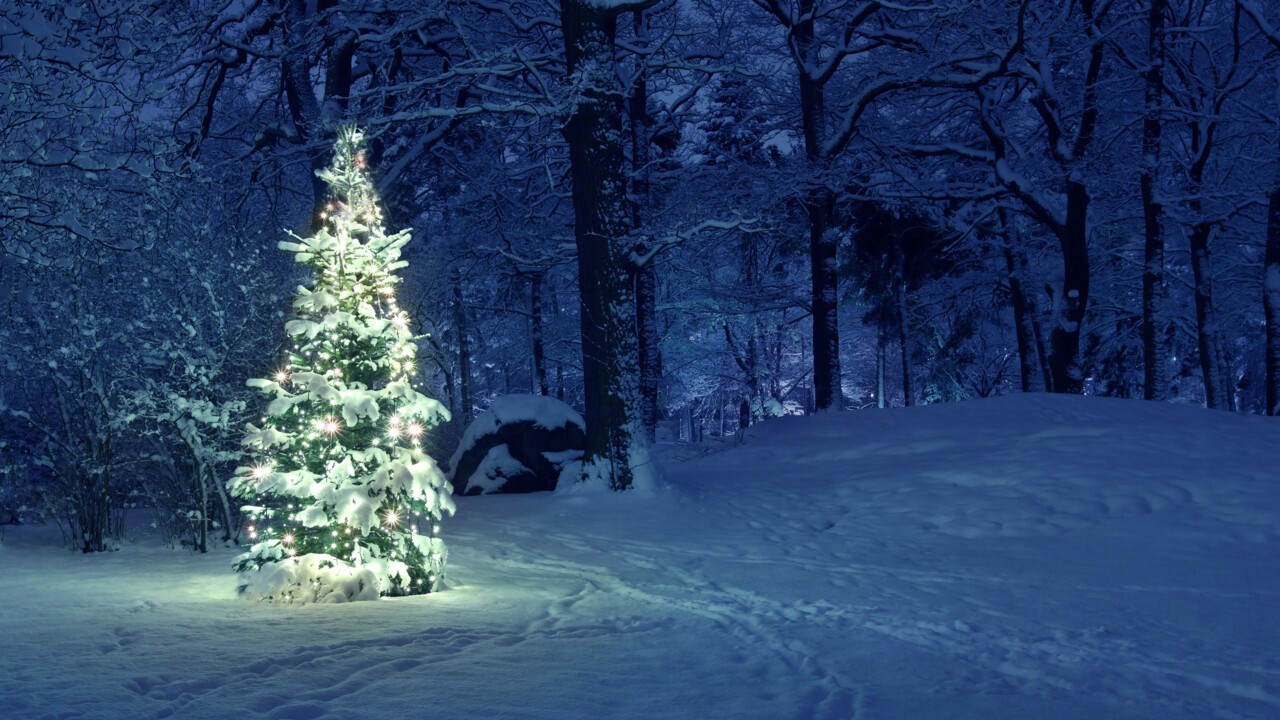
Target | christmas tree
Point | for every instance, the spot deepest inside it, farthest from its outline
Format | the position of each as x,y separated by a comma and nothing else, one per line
344,502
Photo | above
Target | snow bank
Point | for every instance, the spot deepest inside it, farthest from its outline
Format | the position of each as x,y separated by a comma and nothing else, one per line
312,578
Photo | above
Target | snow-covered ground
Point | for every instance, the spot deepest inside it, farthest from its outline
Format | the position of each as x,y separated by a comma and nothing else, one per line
1022,557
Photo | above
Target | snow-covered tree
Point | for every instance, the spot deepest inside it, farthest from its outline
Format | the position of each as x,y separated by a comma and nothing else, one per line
340,485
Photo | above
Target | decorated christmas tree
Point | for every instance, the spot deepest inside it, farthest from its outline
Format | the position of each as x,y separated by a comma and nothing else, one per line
344,504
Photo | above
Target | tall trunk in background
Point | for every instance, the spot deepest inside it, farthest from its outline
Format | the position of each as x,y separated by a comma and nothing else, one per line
1153,356
464,350
908,394
1064,338
818,203
1023,310
882,341
1271,297
1207,341
1068,218
1271,256
647,274
617,446
1216,389
539,350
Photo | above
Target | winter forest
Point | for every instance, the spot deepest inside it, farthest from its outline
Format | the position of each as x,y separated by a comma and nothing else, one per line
284,282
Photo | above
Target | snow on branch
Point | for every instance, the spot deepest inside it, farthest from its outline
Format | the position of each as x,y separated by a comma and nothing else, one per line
645,252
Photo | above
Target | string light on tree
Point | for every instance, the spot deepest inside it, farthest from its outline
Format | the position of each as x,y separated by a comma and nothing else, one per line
345,503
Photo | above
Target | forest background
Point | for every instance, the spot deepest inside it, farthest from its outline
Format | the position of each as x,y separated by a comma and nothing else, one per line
679,216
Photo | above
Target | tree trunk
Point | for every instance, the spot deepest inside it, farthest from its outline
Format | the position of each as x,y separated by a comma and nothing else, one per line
1215,390
1064,339
881,342
464,350
1153,356
1271,299
1028,365
646,275
908,396
818,203
823,291
539,350
617,448
648,343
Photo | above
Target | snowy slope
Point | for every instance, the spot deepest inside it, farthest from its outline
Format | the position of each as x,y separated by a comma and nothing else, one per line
1021,557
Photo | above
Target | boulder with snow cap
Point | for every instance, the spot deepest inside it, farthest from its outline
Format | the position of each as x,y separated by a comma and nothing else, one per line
518,445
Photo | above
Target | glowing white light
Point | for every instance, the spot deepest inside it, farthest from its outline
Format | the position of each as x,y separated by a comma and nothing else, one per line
261,472
414,430
400,321
253,533
391,518
282,376
328,426
287,539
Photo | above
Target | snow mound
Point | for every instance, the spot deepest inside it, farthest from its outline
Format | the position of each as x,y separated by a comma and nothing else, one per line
311,578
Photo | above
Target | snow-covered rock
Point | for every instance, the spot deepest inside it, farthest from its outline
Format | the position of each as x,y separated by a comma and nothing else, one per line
519,444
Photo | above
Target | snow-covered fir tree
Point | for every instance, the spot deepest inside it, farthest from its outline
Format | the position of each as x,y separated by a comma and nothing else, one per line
344,504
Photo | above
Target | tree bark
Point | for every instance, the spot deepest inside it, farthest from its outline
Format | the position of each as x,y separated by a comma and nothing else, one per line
1064,339
539,349
1153,355
650,356
881,343
646,275
617,448
1023,311
908,394
1271,299
818,204
1215,386
464,350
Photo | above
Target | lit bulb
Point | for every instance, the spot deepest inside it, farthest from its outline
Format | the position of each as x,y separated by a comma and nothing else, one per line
287,539
414,430
391,518
328,426
282,376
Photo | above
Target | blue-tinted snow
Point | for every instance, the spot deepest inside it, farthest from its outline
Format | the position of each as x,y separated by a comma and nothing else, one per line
1022,557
